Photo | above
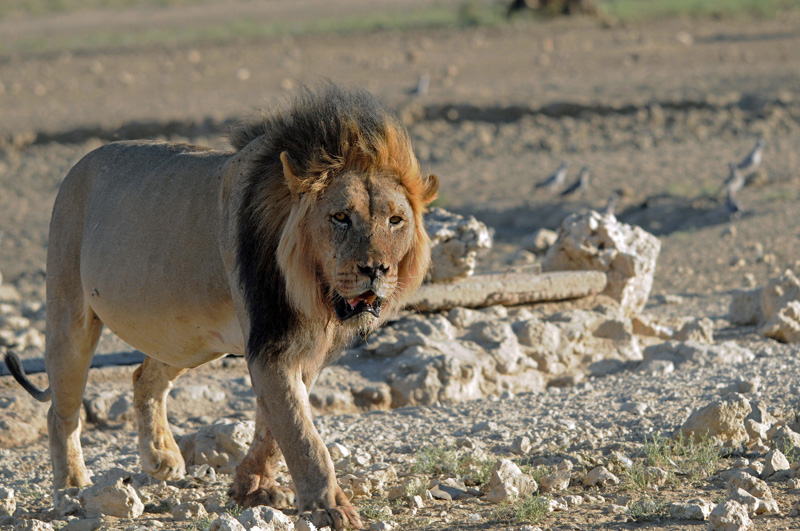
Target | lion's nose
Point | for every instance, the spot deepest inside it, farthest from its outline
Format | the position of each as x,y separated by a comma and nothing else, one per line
373,272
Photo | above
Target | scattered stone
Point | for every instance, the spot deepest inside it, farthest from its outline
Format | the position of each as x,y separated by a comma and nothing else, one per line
508,482
455,242
784,437
110,408
598,477
779,291
721,419
266,518
555,482
118,499
730,516
222,445
189,511
739,479
784,325
695,509
521,445
8,503
745,307
226,522
697,330
83,524
32,524
540,241
338,452
774,462
702,354
627,254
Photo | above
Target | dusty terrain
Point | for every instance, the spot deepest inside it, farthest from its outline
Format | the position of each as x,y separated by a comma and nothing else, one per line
657,110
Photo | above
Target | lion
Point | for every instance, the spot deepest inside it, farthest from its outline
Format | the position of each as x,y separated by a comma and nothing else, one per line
308,232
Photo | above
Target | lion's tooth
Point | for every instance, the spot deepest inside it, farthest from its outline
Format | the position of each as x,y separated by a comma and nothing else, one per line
370,299
352,302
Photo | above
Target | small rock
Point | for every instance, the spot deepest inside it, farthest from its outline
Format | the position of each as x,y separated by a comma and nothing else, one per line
265,518
784,325
739,479
699,330
730,516
555,482
338,452
722,419
521,445
599,476
540,241
696,509
118,499
8,503
32,525
189,511
774,462
745,307
508,481
226,522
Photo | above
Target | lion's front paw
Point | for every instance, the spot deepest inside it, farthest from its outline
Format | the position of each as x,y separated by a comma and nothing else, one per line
165,465
273,495
340,517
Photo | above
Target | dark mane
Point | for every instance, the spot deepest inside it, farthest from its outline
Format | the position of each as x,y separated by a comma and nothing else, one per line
325,132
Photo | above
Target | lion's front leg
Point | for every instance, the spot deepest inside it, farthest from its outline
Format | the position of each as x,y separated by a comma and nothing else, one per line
158,452
283,402
254,482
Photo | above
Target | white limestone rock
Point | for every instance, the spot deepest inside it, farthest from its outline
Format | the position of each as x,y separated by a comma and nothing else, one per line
508,482
695,509
117,499
721,419
222,445
625,253
8,502
455,242
730,516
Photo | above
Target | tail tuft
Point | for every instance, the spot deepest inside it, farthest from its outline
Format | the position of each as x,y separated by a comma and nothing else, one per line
18,372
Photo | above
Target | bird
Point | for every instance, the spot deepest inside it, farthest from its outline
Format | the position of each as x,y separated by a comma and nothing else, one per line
753,159
581,184
735,180
556,179
423,84
732,206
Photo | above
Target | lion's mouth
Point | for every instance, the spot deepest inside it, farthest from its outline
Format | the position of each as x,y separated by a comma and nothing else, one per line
366,302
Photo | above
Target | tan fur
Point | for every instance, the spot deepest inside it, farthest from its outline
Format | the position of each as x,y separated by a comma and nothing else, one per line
150,239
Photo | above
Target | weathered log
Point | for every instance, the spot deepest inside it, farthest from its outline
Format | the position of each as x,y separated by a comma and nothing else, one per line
508,289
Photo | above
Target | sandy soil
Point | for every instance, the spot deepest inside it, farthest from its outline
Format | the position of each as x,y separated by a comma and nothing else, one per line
657,110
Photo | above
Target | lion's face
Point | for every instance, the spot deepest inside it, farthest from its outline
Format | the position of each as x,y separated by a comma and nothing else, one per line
361,227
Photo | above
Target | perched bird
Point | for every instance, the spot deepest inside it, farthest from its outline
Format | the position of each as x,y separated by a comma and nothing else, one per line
580,185
753,159
611,205
732,206
735,180
557,179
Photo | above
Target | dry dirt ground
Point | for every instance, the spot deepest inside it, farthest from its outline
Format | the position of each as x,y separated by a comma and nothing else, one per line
657,110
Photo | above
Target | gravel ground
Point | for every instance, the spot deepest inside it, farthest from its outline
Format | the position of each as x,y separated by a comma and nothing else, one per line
653,117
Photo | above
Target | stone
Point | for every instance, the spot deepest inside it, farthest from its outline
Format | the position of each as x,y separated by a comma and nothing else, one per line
627,254
740,479
33,524
338,451
83,524
656,476
555,482
721,419
8,503
540,241
455,242
110,408
778,291
598,477
521,445
784,325
702,354
695,509
222,445
745,499
745,307
698,330
118,499
756,432
783,437
508,482
730,516
774,462
226,522
266,518
656,366
189,511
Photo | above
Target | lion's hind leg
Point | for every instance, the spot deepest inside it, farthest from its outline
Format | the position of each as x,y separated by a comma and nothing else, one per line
72,336
254,482
159,453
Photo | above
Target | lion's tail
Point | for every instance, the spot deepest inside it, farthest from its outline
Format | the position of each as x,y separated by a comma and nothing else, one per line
15,368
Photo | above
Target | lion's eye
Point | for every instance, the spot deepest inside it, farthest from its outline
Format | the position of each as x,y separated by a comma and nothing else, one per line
341,217
395,220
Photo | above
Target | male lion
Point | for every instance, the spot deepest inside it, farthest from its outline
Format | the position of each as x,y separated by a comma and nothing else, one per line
309,232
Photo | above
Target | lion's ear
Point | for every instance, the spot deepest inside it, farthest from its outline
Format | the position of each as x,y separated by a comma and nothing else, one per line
294,183
431,189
